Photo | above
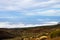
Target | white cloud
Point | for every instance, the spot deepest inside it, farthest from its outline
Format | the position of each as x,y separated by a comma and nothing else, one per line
14,4
46,19
24,4
56,6
8,17
40,19
52,22
50,12
21,25
9,25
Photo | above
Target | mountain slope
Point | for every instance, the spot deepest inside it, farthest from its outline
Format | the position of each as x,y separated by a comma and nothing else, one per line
27,32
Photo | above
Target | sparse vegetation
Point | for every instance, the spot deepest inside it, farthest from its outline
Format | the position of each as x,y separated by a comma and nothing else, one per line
31,33
55,33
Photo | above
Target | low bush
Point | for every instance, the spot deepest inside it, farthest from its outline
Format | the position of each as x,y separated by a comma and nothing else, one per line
55,33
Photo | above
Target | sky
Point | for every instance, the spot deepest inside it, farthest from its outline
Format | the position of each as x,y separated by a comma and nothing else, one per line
21,13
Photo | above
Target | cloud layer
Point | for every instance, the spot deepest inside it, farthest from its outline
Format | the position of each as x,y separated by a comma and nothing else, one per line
48,7
27,4
21,25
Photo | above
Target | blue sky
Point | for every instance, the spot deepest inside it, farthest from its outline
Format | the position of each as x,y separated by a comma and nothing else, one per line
29,11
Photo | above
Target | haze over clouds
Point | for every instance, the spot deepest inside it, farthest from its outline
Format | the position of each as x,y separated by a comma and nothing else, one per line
24,13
